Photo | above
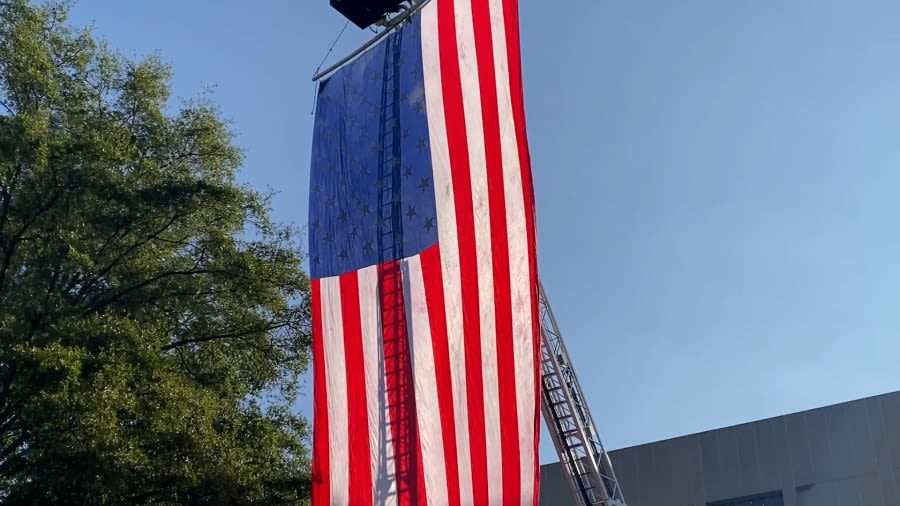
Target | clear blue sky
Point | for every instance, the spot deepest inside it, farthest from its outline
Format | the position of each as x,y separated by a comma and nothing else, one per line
717,184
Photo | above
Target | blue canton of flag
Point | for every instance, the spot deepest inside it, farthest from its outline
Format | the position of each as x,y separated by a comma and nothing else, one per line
371,189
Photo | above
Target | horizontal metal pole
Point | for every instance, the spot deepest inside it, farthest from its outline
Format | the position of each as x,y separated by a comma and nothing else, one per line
393,23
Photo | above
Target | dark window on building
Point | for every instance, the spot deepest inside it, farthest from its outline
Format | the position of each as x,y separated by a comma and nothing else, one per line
767,499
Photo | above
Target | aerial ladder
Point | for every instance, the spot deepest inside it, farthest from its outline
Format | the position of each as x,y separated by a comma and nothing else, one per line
585,462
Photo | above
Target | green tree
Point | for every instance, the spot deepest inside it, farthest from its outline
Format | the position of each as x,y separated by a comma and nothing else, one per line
152,318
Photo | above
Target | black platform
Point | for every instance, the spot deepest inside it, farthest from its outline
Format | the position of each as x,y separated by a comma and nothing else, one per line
364,13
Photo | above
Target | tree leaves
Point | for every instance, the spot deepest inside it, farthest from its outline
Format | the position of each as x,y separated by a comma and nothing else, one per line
153,319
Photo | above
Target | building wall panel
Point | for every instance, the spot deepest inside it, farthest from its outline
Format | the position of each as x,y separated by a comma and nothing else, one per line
842,455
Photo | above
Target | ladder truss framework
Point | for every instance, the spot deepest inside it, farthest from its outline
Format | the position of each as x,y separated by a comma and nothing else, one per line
585,462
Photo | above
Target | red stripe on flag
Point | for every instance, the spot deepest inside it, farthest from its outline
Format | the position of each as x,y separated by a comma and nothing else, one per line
468,260
434,295
422,492
400,387
360,471
514,57
321,493
506,367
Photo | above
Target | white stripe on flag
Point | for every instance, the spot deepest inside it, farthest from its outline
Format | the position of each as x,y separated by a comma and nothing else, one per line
428,412
333,337
449,242
520,276
468,63
384,482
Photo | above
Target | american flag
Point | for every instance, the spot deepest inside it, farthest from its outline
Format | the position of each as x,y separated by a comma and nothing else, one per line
424,276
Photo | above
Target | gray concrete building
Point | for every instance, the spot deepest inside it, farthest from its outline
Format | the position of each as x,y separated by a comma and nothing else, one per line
842,455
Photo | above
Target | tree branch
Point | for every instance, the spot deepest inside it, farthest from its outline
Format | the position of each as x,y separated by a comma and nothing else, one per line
9,249
146,496
6,192
125,253
105,302
230,335
7,383
12,447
